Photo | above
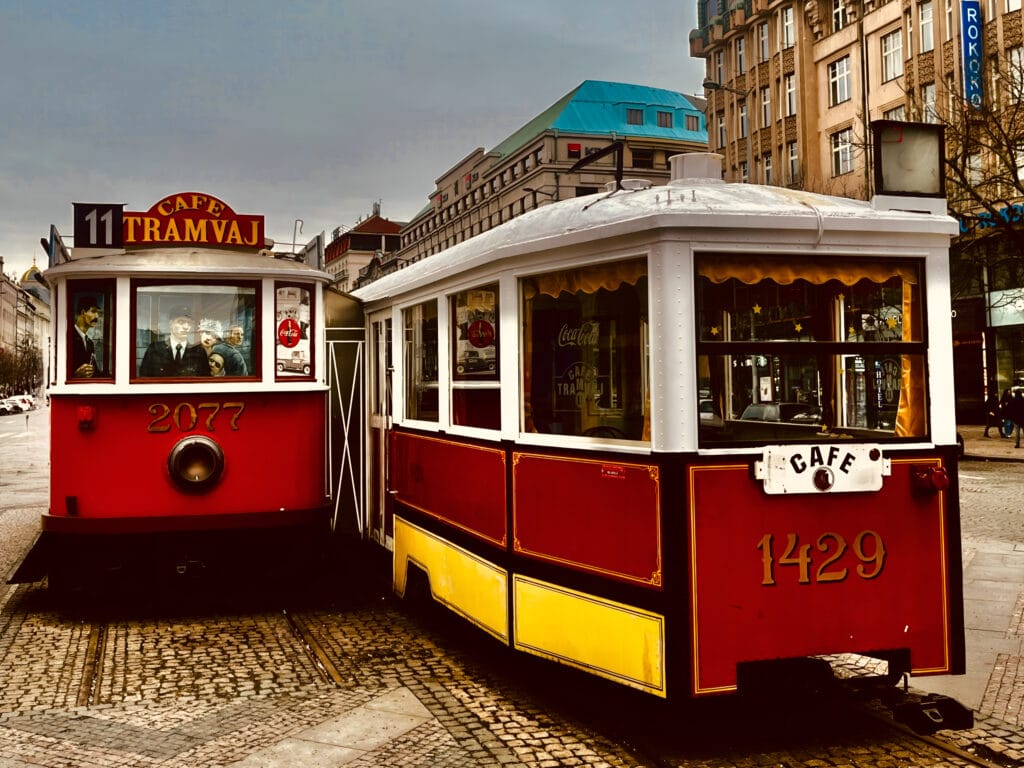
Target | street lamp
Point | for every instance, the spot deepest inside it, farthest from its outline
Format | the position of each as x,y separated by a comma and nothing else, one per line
711,85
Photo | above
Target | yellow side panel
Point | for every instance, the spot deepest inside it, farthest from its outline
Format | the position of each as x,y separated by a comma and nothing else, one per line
605,638
465,583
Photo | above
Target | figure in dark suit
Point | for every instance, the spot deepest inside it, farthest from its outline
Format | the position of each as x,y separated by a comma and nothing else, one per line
174,356
83,349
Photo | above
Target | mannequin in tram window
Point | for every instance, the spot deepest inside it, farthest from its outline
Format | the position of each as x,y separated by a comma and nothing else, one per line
83,349
174,355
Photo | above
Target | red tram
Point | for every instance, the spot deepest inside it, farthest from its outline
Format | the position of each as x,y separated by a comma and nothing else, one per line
189,391
669,434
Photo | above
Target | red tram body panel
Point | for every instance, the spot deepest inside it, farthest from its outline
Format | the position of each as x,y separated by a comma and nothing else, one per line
778,577
273,470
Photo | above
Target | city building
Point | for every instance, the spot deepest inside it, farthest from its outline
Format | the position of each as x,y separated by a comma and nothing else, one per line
373,239
793,87
24,331
530,167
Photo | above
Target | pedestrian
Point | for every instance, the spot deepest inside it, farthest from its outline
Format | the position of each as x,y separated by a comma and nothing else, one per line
1005,404
992,416
1017,413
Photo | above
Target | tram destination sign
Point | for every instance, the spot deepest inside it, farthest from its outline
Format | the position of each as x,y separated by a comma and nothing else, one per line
185,218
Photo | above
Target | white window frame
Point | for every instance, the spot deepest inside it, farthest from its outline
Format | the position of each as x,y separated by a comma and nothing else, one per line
892,55
789,88
927,26
766,107
762,41
842,152
794,160
840,15
839,81
787,32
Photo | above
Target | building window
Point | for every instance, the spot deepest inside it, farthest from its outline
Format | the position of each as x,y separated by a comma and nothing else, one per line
789,86
924,14
839,81
744,171
767,169
840,16
1012,5
719,67
974,168
665,120
1015,67
842,152
741,55
643,158
787,33
692,123
635,116
794,161
744,124
721,130
949,20
896,113
766,107
892,55
762,42
928,113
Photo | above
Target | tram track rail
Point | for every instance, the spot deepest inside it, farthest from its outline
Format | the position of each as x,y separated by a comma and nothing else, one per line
314,649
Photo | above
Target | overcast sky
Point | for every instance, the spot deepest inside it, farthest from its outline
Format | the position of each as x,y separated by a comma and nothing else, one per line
292,110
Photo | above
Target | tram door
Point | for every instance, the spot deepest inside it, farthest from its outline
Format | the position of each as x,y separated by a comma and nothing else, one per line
379,368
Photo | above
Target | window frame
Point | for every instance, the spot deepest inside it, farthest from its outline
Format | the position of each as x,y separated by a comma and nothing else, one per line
839,90
257,342
106,290
892,55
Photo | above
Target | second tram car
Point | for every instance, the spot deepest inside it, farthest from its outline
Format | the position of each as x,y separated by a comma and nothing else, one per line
668,434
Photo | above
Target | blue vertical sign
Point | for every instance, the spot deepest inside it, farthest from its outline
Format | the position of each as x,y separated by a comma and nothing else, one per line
970,41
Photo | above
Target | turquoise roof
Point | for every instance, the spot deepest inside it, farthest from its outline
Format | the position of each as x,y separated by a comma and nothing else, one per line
598,107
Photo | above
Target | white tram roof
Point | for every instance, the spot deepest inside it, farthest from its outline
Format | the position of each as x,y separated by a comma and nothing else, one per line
174,262
738,211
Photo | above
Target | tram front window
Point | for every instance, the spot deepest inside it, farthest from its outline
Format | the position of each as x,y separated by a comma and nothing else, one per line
585,352
796,349
194,331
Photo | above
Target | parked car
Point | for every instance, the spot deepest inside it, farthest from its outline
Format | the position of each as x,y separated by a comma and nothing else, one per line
13,406
794,413
27,402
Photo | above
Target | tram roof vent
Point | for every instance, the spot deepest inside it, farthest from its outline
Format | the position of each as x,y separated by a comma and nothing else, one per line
696,165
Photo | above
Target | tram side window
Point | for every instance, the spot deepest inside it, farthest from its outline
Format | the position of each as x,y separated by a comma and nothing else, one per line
294,354
585,352
476,393
194,330
419,324
90,330
802,349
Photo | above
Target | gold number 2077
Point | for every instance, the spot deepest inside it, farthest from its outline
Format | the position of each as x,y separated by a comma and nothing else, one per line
868,549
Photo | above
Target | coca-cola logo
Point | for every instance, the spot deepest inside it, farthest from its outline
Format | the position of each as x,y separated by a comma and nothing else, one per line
585,335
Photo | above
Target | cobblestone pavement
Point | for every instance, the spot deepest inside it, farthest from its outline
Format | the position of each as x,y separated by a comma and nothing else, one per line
196,677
